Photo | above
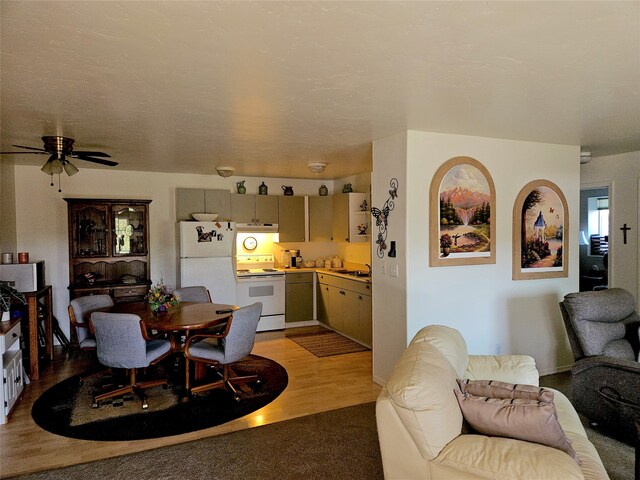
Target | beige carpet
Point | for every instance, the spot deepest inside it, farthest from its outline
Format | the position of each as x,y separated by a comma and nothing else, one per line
326,343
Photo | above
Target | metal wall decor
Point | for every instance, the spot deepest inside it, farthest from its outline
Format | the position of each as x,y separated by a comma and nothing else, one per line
382,216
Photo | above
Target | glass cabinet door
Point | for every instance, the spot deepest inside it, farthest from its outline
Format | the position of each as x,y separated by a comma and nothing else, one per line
90,235
129,230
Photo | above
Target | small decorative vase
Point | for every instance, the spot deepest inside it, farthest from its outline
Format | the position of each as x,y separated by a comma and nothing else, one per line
241,188
347,188
287,190
262,189
324,191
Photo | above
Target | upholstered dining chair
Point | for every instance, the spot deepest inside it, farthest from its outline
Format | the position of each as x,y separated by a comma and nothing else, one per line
227,347
194,294
603,329
122,342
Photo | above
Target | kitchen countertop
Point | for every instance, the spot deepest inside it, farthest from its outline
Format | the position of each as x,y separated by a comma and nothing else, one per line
330,271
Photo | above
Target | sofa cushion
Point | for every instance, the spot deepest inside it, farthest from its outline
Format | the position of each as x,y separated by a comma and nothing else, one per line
496,389
421,391
528,420
505,368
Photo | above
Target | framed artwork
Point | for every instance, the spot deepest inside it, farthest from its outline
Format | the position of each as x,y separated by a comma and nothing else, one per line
540,232
462,201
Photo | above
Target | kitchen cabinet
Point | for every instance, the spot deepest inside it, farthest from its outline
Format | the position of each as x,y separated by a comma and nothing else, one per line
11,363
350,217
109,248
320,219
291,219
345,306
298,297
254,208
202,200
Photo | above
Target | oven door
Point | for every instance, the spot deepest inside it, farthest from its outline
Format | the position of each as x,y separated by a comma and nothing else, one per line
268,289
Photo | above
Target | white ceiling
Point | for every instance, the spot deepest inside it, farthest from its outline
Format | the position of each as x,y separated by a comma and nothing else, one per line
268,87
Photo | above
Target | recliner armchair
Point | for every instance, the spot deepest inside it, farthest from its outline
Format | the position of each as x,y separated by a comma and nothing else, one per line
603,329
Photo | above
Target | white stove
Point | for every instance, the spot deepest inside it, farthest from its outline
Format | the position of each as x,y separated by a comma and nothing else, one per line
259,281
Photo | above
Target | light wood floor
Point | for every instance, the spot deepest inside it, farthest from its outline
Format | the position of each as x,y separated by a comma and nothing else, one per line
315,385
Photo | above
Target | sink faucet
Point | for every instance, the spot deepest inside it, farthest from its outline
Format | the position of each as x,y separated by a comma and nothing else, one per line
369,267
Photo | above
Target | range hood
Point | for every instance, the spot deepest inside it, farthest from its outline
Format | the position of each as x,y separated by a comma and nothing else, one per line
257,227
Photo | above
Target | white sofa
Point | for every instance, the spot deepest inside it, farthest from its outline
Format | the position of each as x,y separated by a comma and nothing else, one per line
420,422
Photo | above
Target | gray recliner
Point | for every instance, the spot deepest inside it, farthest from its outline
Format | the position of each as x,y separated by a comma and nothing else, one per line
227,347
122,342
603,329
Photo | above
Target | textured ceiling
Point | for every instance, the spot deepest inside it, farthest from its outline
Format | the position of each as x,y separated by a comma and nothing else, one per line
268,87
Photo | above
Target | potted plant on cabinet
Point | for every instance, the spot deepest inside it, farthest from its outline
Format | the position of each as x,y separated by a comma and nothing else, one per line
7,295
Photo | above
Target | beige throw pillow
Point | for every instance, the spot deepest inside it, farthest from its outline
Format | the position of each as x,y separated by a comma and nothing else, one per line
495,389
522,419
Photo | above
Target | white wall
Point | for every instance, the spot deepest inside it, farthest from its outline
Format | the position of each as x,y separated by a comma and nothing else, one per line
493,312
41,214
622,172
389,293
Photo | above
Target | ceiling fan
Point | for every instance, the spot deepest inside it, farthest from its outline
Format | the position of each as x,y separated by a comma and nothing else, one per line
59,148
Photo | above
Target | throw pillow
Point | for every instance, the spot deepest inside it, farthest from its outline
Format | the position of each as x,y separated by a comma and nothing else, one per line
495,389
522,419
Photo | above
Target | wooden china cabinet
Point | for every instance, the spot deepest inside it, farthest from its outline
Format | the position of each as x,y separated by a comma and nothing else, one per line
109,248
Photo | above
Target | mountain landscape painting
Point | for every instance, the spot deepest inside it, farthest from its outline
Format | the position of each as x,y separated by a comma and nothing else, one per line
465,213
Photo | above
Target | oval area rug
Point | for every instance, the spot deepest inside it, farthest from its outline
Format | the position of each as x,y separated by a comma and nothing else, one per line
65,409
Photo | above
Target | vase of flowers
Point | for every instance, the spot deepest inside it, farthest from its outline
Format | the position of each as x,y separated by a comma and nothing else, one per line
160,298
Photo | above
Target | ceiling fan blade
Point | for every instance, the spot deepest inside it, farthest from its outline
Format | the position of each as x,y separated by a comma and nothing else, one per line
31,148
30,153
91,154
109,163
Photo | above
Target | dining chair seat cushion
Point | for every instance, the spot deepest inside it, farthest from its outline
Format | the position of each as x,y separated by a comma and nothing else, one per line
156,348
88,343
208,349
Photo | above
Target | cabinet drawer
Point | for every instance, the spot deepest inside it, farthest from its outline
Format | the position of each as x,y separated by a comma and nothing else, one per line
299,277
130,292
11,337
358,287
330,280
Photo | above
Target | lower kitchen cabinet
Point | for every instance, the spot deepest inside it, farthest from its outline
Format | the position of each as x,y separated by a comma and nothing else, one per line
345,306
11,363
299,297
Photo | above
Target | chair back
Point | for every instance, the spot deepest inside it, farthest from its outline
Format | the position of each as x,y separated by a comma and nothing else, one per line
82,306
601,323
242,334
193,294
119,340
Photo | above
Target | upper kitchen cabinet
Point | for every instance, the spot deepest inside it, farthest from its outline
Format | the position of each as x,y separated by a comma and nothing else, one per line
291,219
320,219
109,248
350,217
202,200
254,208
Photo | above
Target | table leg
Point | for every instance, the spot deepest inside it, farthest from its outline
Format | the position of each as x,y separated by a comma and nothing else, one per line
33,337
187,387
48,324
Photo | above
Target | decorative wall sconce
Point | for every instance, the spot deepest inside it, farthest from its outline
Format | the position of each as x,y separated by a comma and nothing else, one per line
382,218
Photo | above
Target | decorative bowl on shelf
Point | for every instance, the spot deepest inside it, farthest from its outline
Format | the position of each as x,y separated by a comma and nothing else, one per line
205,217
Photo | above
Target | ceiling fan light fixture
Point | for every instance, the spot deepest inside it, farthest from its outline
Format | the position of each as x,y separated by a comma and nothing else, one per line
317,167
225,171
585,157
56,167
70,168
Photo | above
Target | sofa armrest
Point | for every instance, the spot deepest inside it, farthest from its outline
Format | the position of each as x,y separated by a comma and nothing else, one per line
504,368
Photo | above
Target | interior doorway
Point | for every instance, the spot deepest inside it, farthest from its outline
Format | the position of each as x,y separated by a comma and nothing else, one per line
595,217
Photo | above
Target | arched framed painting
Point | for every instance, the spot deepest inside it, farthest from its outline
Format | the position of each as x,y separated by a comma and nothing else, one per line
540,232
462,200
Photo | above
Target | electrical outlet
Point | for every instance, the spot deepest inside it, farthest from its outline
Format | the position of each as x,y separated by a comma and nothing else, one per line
394,270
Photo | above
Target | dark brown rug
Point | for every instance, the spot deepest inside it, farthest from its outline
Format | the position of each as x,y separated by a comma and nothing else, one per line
326,343
65,409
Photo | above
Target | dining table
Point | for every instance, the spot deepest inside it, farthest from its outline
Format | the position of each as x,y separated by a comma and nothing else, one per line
182,319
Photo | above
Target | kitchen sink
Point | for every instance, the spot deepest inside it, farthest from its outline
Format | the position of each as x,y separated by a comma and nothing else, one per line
359,274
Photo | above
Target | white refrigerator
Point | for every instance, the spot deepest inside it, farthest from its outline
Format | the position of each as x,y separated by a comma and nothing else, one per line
208,258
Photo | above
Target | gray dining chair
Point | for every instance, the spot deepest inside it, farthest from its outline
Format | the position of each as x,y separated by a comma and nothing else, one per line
194,294
227,347
122,342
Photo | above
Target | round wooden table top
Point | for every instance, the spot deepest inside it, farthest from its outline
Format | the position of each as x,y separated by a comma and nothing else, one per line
184,316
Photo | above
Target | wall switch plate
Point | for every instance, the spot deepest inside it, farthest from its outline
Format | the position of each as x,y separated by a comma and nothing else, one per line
394,270
384,268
